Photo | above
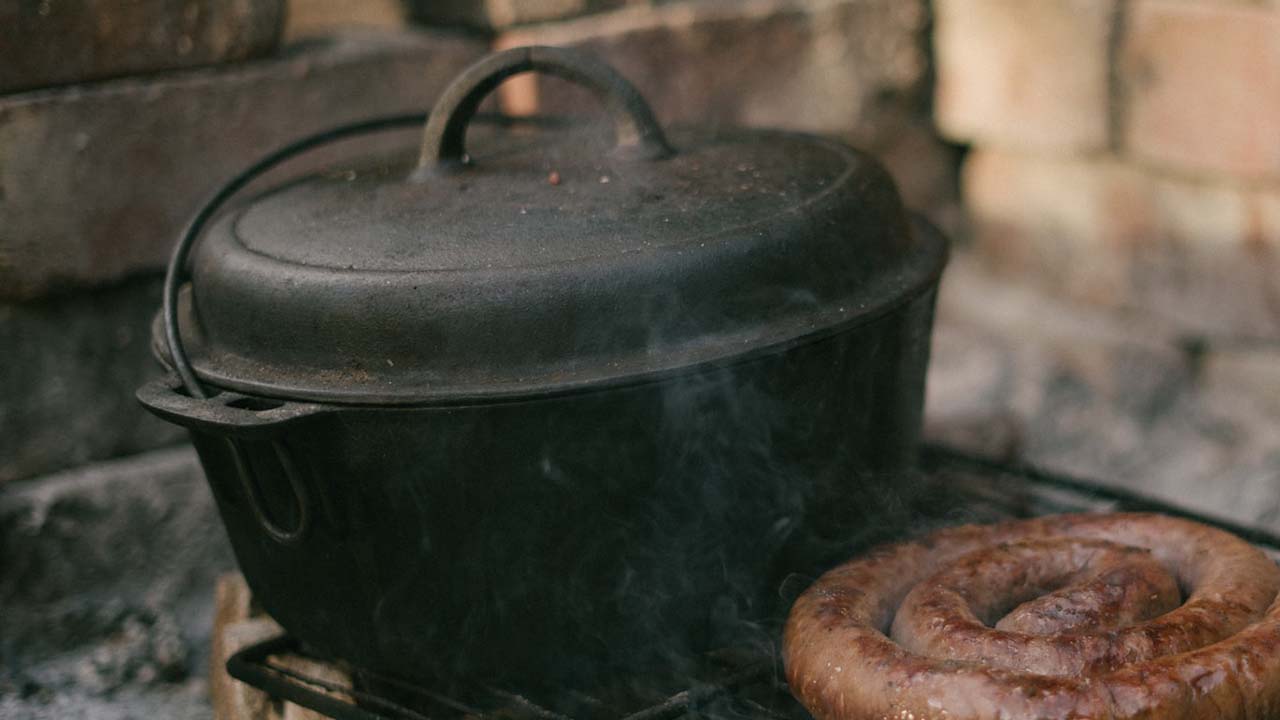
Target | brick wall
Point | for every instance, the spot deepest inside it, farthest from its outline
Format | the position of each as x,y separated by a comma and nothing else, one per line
102,165
110,138
1125,152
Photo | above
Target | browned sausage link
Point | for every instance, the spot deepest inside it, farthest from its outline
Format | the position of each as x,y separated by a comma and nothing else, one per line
1099,585
1115,587
1099,626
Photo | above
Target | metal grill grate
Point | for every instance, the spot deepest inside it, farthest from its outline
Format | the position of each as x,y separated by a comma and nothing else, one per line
732,684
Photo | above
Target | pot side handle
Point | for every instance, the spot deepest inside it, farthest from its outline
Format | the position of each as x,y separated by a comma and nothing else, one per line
235,419
637,134
226,413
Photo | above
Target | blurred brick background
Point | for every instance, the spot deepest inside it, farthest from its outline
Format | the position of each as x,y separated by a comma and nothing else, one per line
1116,310
1110,170
1125,153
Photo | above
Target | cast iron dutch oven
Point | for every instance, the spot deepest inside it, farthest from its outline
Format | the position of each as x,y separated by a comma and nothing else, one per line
545,408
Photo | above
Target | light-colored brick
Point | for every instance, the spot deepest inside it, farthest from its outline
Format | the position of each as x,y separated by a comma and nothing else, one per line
1264,219
1035,214
237,624
1202,86
1109,233
235,627
96,182
232,699
1022,73
314,18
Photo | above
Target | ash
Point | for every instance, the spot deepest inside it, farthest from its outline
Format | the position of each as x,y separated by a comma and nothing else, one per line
105,591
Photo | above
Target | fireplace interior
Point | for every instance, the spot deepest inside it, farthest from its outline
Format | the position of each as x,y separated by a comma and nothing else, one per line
1107,334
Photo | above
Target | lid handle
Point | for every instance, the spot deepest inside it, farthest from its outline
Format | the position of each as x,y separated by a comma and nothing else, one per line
636,131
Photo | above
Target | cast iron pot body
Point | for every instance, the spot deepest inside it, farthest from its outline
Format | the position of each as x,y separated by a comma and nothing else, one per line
559,450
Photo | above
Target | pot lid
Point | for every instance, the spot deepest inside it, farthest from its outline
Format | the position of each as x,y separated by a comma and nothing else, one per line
552,258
